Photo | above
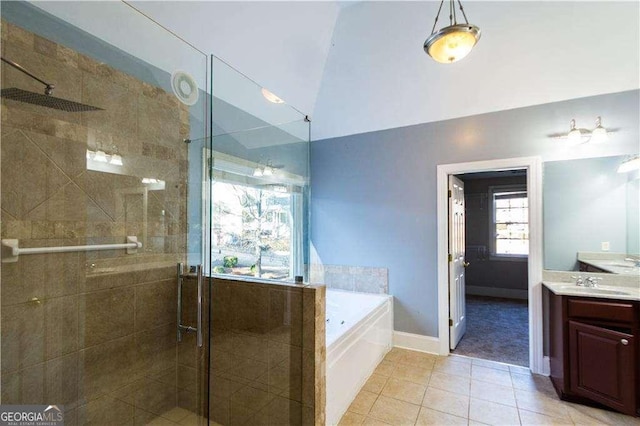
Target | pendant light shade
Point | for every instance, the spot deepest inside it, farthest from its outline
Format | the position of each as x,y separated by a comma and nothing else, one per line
452,43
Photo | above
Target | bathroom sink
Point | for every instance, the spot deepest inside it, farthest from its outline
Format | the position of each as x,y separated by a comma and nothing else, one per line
594,291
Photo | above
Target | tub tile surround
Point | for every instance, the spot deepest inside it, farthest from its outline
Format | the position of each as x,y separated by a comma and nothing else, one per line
463,391
267,353
93,331
361,279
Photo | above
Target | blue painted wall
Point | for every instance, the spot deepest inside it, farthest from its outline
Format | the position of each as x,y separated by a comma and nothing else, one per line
373,195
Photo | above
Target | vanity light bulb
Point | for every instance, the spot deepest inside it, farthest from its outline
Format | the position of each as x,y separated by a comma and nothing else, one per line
575,137
100,156
599,134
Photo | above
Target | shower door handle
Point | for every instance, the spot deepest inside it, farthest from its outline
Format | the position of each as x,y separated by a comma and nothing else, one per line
185,328
199,331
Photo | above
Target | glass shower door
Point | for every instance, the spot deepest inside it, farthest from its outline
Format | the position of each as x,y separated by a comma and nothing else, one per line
97,211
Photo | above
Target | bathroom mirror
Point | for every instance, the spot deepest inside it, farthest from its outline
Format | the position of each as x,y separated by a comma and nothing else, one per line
591,209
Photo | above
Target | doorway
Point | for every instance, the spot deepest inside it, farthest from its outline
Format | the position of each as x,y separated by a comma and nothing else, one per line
533,167
491,287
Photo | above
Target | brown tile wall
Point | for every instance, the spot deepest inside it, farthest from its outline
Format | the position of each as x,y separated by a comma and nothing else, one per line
93,331
267,353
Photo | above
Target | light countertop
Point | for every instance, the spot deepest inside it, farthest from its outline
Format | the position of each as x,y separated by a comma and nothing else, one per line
602,291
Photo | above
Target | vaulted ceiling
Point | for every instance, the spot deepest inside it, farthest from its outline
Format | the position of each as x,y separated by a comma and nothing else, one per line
359,66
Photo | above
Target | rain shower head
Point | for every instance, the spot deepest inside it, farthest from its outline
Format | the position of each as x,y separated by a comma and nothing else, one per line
45,100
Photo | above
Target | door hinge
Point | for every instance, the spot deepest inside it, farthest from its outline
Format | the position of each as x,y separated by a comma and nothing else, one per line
449,257
450,322
449,192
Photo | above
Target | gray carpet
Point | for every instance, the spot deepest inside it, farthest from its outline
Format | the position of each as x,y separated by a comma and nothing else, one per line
497,330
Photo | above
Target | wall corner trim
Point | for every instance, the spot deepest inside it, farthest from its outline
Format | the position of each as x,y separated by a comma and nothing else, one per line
416,342
546,366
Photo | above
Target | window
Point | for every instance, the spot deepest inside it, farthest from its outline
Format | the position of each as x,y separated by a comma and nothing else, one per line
509,221
256,221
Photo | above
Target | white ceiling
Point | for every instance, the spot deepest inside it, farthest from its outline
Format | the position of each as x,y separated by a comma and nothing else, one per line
283,46
377,75
358,66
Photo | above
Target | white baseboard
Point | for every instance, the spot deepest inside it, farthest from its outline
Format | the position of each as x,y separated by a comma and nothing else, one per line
546,366
416,342
507,293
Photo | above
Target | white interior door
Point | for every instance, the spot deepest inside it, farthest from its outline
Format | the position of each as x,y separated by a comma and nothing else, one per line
457,264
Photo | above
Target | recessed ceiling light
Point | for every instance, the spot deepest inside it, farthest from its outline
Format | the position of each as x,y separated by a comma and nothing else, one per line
271,97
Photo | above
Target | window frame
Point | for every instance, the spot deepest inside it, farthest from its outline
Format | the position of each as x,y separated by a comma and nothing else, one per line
296,185
492,223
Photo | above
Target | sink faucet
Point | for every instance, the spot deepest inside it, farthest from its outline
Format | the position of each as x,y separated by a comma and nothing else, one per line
592,282
579,280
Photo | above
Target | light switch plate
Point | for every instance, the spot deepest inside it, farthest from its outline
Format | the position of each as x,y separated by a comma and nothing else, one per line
605,246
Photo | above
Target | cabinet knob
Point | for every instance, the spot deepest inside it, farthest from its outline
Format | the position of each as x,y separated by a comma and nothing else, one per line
624,342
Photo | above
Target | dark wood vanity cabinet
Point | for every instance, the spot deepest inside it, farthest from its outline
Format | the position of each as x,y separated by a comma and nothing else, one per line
594,351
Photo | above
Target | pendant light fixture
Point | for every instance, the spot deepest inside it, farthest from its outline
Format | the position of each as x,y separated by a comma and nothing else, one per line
452,43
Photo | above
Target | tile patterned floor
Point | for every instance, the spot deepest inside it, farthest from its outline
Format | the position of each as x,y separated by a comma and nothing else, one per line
414,388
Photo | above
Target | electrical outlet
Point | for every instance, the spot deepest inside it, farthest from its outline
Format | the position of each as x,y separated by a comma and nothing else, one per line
605,246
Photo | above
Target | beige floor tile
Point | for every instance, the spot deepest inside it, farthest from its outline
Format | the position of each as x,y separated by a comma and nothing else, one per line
492,413
447,402
458,358
385,368
584,415
394,412
418,359
529,418
404,391
499,377
375,383
490,364
395,354
428,416
452,366
519,369
539,403
492,392
363,402
176,414
412,373
533,383
475,423
450,383
351,419
370,421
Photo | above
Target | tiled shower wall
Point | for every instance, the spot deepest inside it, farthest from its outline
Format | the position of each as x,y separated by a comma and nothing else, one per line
267,353
92,331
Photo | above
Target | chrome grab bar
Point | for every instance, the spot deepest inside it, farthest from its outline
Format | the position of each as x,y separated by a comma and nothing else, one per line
185,328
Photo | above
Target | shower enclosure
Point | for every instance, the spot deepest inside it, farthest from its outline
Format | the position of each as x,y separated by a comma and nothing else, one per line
131,197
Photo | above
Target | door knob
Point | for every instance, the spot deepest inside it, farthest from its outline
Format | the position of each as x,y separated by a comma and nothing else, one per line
465,264
624,342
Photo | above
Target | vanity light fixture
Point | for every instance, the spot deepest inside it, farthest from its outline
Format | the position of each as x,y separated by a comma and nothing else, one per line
599,134
101,156
454,42
629,165
579,135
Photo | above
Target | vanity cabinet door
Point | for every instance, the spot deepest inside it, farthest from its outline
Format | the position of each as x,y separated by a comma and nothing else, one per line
602,366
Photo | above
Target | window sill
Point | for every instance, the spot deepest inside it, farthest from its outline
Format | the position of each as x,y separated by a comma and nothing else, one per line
509,258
